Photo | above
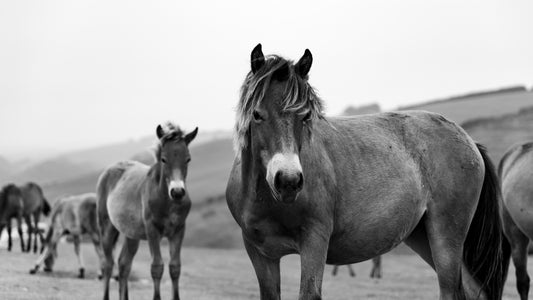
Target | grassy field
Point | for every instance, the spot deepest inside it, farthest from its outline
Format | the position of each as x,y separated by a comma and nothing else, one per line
216,274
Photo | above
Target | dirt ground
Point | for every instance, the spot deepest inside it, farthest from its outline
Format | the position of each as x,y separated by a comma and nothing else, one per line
215,274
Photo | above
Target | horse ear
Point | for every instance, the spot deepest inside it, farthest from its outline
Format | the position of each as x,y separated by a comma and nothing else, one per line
257,58
191,135
159,131
303,66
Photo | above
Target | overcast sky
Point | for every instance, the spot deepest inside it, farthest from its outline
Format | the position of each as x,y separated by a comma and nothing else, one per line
75,74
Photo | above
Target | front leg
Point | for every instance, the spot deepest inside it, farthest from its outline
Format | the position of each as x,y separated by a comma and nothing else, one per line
313,253
175,261
267,272
154,239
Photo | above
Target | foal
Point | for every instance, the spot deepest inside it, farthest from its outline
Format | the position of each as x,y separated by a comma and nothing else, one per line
146,203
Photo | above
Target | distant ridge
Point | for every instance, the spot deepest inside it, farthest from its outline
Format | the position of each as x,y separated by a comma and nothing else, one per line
468,96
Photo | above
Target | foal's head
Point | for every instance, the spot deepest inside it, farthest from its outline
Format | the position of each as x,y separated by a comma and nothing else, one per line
173,158
276,111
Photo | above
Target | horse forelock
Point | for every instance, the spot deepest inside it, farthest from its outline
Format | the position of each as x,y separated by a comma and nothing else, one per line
172,133
300,96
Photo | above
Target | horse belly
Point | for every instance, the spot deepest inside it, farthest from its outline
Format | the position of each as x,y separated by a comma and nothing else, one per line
126,215
369,235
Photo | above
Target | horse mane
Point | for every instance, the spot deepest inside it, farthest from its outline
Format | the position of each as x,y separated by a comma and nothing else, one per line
172,133
300,95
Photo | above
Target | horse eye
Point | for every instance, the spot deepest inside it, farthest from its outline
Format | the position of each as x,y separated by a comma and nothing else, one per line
188,160
257,116
307,117
163,160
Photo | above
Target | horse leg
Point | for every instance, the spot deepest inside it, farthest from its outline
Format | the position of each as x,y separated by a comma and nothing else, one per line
76,241
29,230
267,272
351,271
157,267
313,253
335,269
109,238
19,229
376,267
36,231
98,249
175,261
9,240
519,244
129,248
48,251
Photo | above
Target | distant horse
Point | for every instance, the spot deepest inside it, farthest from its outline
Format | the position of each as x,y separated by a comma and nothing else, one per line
74,216
34,204
516,174
11,206
145,202
374,273
344,190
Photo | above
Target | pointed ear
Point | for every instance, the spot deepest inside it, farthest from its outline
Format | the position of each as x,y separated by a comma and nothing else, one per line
303,66
257,58
191,135
159,131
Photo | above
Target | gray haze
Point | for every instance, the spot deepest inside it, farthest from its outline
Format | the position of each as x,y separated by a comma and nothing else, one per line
76,74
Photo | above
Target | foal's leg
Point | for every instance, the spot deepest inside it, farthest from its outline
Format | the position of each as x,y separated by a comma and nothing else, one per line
519,244
154,239
376,267
49,249
175,261
109,239
36,231
95,238
351,271
129,248
76,241
267,272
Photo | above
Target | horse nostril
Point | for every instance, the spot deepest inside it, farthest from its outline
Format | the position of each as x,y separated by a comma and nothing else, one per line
300,182
292,182
277,181
177,193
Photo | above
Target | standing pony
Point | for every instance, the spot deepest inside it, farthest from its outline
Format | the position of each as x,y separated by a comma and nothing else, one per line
374,273
74,216
146,203
11,206
34,204
516,174
344,190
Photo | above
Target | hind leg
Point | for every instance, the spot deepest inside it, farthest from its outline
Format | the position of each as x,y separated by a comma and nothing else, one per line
98,249
36,231
76,242
9,240
19,229
351,271
49,251
29,231
124,265
519,244
335,269
108,241
376,267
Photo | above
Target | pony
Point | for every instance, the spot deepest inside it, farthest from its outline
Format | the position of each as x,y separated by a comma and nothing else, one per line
146,203
374,273
516,175
11,206
74,216
34,204
346,189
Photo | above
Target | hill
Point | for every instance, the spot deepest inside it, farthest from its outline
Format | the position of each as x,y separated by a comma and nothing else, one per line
498,134
478,105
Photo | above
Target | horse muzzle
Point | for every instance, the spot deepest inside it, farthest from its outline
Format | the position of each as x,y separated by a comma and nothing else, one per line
288,185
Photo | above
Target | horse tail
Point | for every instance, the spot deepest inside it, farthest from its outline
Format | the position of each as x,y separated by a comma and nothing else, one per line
486,250
46,207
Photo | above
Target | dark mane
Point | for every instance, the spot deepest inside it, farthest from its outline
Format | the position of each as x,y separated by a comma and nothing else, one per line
172,133
300,95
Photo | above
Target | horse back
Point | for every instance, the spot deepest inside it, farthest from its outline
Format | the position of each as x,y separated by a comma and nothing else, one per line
118,196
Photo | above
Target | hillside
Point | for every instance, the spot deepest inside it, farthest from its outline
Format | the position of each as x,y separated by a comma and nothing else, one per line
500,133
478,105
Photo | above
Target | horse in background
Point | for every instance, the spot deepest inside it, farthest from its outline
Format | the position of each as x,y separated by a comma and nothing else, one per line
146,203
34,204
11,206
344,190
74,216
376,271
516,175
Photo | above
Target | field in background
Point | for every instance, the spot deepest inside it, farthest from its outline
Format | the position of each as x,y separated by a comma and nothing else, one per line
209,274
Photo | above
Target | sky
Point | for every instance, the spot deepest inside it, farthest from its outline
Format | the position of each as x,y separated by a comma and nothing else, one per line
78,74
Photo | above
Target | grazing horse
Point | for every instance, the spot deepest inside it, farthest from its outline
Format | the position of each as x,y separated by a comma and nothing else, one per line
73,216
146,203
374,273
516,174
11,206
34,204
344,190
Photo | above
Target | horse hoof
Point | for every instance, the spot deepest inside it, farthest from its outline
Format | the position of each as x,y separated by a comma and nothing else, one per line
47,270
82,273
33,271
100,276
